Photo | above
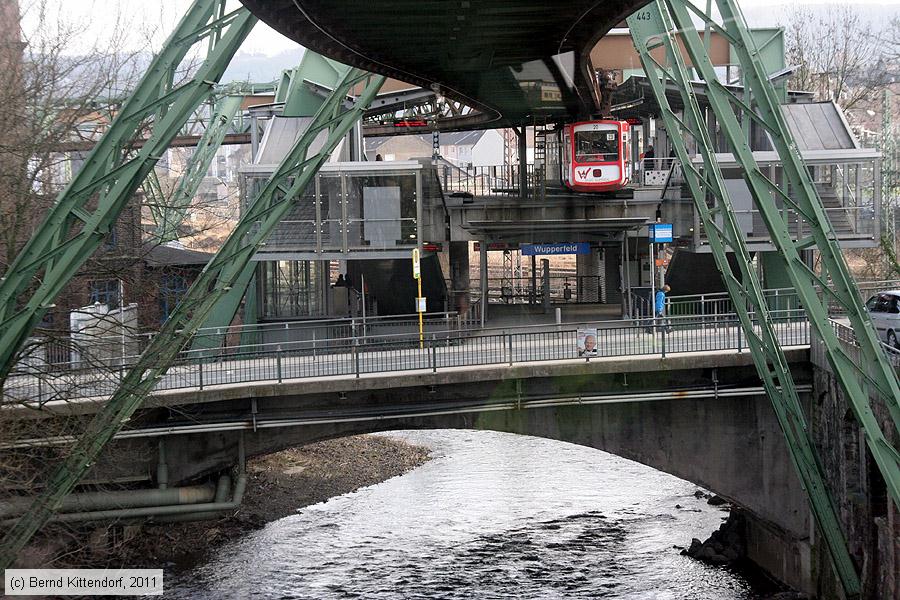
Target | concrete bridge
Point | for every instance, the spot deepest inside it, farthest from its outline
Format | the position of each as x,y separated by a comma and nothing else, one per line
682,397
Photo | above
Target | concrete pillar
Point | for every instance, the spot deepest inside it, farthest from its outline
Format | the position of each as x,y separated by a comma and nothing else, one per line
483,267
523,161
533,298
545,265
459,276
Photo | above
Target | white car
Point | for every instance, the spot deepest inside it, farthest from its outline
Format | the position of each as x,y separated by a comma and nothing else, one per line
884,308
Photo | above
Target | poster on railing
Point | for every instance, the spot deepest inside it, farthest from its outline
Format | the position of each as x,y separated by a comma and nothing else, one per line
587,342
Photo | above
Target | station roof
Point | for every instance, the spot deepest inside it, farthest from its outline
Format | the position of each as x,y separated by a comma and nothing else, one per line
167,255
517,61
819,126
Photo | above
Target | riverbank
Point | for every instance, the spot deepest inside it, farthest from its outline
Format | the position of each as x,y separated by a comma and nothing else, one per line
278,485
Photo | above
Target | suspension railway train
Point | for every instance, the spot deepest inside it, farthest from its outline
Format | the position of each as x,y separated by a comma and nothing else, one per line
590,156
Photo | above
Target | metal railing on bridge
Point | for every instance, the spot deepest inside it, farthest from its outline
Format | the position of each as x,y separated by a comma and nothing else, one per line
848,339
357,356
74,350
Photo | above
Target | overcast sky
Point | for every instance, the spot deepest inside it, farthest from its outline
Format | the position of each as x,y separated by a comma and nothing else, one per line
145,17
142,18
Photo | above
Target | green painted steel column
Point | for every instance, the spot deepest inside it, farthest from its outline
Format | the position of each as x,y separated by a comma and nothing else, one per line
776,277
295,91
651,28
223,312
275,200
174,210
856,378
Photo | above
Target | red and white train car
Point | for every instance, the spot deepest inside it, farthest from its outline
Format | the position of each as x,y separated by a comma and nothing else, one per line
591,156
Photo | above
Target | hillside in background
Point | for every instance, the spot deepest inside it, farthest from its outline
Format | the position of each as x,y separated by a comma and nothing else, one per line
259,67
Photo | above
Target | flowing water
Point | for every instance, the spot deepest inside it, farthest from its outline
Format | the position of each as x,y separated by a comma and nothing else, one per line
491,516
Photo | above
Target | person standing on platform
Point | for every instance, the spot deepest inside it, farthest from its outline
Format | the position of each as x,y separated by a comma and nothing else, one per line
659,307
648,164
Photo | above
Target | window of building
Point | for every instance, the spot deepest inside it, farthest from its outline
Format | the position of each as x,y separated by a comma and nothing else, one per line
104,291
112,239
172,289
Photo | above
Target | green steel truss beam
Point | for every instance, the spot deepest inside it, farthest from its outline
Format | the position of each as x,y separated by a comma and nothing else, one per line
154,197
299,101
872,372
651,28
272,204
172,212
87,209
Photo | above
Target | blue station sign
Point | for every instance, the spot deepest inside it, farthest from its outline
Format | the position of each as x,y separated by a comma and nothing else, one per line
661,232
550,249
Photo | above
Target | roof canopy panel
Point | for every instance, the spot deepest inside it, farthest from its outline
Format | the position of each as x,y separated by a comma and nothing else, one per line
522,61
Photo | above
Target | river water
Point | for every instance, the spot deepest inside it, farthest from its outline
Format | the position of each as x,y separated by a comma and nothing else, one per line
491,516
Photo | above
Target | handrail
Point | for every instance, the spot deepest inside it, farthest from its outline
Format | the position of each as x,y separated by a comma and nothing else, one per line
292,324
862,285
347,357
846,335
639,323
718,300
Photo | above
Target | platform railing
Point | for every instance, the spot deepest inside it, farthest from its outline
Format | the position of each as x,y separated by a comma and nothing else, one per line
355,357
491,181
847,221
719,303
62,350
657,172
564,289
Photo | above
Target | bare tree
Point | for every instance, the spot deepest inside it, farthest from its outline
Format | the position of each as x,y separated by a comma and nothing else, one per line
49,95
892,45
836,55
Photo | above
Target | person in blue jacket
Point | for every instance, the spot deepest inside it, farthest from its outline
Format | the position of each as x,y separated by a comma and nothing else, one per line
659,307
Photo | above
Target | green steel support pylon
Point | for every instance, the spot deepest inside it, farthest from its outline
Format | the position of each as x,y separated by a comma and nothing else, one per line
274,201
873,372
171,213
299,101
87,209
651,28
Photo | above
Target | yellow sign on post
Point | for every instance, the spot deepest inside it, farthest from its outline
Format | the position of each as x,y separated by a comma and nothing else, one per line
417,268
420,304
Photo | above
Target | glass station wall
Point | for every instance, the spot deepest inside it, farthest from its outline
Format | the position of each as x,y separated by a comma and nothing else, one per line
291,288
352,212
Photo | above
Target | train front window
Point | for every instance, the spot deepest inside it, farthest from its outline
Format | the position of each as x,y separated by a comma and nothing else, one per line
596,146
